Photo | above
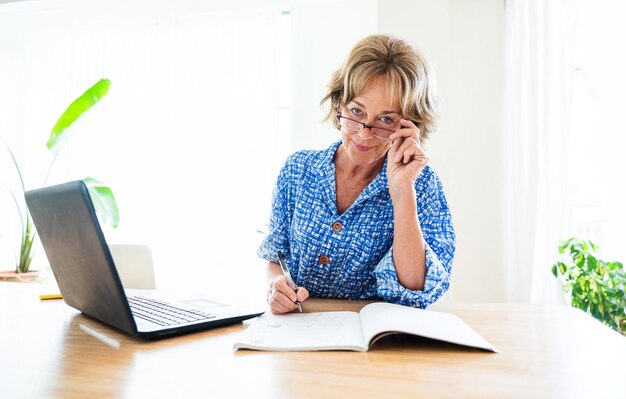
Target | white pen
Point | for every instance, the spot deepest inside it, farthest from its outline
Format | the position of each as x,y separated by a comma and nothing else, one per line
292,284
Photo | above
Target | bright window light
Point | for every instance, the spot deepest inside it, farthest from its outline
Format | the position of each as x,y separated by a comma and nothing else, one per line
190,136
597,183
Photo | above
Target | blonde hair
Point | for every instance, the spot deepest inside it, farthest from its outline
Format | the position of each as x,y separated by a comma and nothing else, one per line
408,79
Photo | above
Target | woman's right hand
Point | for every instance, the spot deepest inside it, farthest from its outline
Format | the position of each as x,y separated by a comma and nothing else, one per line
281,298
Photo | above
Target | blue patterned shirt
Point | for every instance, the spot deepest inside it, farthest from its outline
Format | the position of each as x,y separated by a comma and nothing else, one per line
354,260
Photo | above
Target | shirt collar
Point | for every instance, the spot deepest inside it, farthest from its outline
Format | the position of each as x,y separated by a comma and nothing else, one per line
326,160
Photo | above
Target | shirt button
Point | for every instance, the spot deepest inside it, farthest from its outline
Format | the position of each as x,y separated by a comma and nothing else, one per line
337,227
324,260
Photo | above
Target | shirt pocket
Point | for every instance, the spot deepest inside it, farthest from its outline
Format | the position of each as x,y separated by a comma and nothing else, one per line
373,238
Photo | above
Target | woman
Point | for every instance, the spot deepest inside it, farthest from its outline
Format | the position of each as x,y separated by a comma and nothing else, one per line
367,217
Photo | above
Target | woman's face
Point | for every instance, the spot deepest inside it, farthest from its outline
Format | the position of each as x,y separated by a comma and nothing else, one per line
371,107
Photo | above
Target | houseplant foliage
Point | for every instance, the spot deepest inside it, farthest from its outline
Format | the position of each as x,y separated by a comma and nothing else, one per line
594,285
102,196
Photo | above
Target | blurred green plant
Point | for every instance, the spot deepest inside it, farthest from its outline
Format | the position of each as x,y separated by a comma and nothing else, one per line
102,196
593,285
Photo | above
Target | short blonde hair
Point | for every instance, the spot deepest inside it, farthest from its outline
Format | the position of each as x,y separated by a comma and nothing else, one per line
408,79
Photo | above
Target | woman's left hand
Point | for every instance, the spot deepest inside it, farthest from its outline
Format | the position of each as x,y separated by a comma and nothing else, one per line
406,157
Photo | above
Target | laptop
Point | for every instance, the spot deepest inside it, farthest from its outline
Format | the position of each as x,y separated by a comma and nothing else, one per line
83,267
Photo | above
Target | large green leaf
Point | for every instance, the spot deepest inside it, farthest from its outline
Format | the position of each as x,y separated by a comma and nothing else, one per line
74,111
103,200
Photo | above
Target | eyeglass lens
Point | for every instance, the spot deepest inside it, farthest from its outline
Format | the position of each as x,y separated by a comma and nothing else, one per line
382,133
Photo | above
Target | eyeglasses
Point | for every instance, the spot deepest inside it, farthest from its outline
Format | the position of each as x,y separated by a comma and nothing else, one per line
378,132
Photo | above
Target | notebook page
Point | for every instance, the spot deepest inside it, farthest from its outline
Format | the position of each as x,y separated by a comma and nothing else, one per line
304,331
378,318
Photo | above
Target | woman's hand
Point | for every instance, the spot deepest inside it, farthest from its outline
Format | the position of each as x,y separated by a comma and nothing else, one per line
406,157
281,298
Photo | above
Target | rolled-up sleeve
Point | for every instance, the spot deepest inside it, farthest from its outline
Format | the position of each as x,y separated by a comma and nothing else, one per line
440,240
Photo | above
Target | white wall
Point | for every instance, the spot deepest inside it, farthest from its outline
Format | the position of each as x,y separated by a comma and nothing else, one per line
463,40
324,31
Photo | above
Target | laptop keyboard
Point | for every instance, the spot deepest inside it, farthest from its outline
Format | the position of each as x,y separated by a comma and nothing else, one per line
164,314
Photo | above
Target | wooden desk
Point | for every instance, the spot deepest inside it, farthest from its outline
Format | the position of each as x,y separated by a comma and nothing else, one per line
49,350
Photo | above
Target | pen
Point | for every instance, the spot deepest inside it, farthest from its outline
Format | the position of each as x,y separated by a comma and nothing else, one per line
283,266
50,296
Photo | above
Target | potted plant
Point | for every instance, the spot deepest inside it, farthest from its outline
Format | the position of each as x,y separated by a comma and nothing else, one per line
102,196
591,284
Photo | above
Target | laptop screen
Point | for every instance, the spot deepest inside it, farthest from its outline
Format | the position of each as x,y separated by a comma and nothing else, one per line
79,256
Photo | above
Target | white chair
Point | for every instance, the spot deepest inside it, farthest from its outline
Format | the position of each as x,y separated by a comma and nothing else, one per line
134,265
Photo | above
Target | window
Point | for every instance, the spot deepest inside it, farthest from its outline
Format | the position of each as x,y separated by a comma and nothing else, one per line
190,136
596,172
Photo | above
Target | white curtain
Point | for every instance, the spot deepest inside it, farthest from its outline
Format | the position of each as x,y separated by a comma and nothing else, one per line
540,39
187,136
597,188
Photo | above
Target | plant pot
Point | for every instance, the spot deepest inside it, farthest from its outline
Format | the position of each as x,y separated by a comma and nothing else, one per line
11,276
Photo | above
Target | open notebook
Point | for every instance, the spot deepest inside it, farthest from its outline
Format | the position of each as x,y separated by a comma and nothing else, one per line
355,331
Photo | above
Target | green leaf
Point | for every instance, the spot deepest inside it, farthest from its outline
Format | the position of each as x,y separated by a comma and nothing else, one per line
592,262
617,266
562,267
103,200
74,111
567,242
554,271
579,245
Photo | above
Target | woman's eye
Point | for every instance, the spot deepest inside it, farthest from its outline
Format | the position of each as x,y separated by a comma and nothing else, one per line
356,112
387,120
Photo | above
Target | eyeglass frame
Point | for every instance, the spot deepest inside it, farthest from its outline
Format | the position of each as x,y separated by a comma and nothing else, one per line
363,126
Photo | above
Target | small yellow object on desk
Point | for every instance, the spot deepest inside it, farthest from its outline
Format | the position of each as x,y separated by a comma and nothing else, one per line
50,296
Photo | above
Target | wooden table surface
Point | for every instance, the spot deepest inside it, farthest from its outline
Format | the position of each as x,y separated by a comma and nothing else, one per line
49,350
